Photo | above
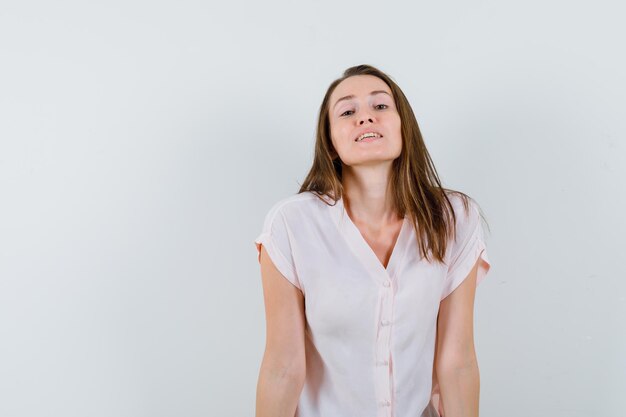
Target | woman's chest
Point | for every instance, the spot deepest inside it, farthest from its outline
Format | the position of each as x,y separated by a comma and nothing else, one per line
345,293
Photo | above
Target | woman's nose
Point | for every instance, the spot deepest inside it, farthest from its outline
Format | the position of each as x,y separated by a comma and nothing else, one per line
365,117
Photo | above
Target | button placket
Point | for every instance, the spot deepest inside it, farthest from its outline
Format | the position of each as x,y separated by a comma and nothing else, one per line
384,278
383,352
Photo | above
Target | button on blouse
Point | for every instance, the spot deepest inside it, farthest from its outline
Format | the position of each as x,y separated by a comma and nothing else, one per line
370,330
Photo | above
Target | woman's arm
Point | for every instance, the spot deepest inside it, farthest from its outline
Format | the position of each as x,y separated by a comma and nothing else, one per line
455,357
283,369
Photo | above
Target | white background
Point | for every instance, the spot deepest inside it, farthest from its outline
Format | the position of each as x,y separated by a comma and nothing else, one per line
141,144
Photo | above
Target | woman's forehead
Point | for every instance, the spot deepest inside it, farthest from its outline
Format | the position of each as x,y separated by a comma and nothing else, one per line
359,85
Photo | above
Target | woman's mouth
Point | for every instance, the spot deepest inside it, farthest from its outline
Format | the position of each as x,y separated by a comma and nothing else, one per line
368,137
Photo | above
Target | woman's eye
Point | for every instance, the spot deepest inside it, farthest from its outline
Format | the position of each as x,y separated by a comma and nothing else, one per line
347,111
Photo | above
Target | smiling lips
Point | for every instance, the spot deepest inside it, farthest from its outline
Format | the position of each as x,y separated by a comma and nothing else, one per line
368,135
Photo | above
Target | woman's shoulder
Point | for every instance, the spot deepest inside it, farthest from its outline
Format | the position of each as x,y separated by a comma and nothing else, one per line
296,205
461,203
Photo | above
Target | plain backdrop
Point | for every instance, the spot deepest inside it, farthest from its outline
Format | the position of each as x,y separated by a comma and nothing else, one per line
142,143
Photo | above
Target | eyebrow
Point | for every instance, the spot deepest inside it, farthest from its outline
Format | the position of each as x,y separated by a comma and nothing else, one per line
348,97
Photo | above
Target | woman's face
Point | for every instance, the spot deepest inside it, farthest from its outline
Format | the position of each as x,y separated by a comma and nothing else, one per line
370,108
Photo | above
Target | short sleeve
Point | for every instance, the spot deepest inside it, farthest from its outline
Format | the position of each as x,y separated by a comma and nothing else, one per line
277,239
468,247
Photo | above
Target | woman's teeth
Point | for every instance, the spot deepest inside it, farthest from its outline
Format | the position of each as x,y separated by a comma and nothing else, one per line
367,135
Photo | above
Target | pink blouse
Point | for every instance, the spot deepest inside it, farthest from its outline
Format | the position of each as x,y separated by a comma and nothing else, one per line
370,330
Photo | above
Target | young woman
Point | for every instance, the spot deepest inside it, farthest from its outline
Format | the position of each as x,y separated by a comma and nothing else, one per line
370,271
